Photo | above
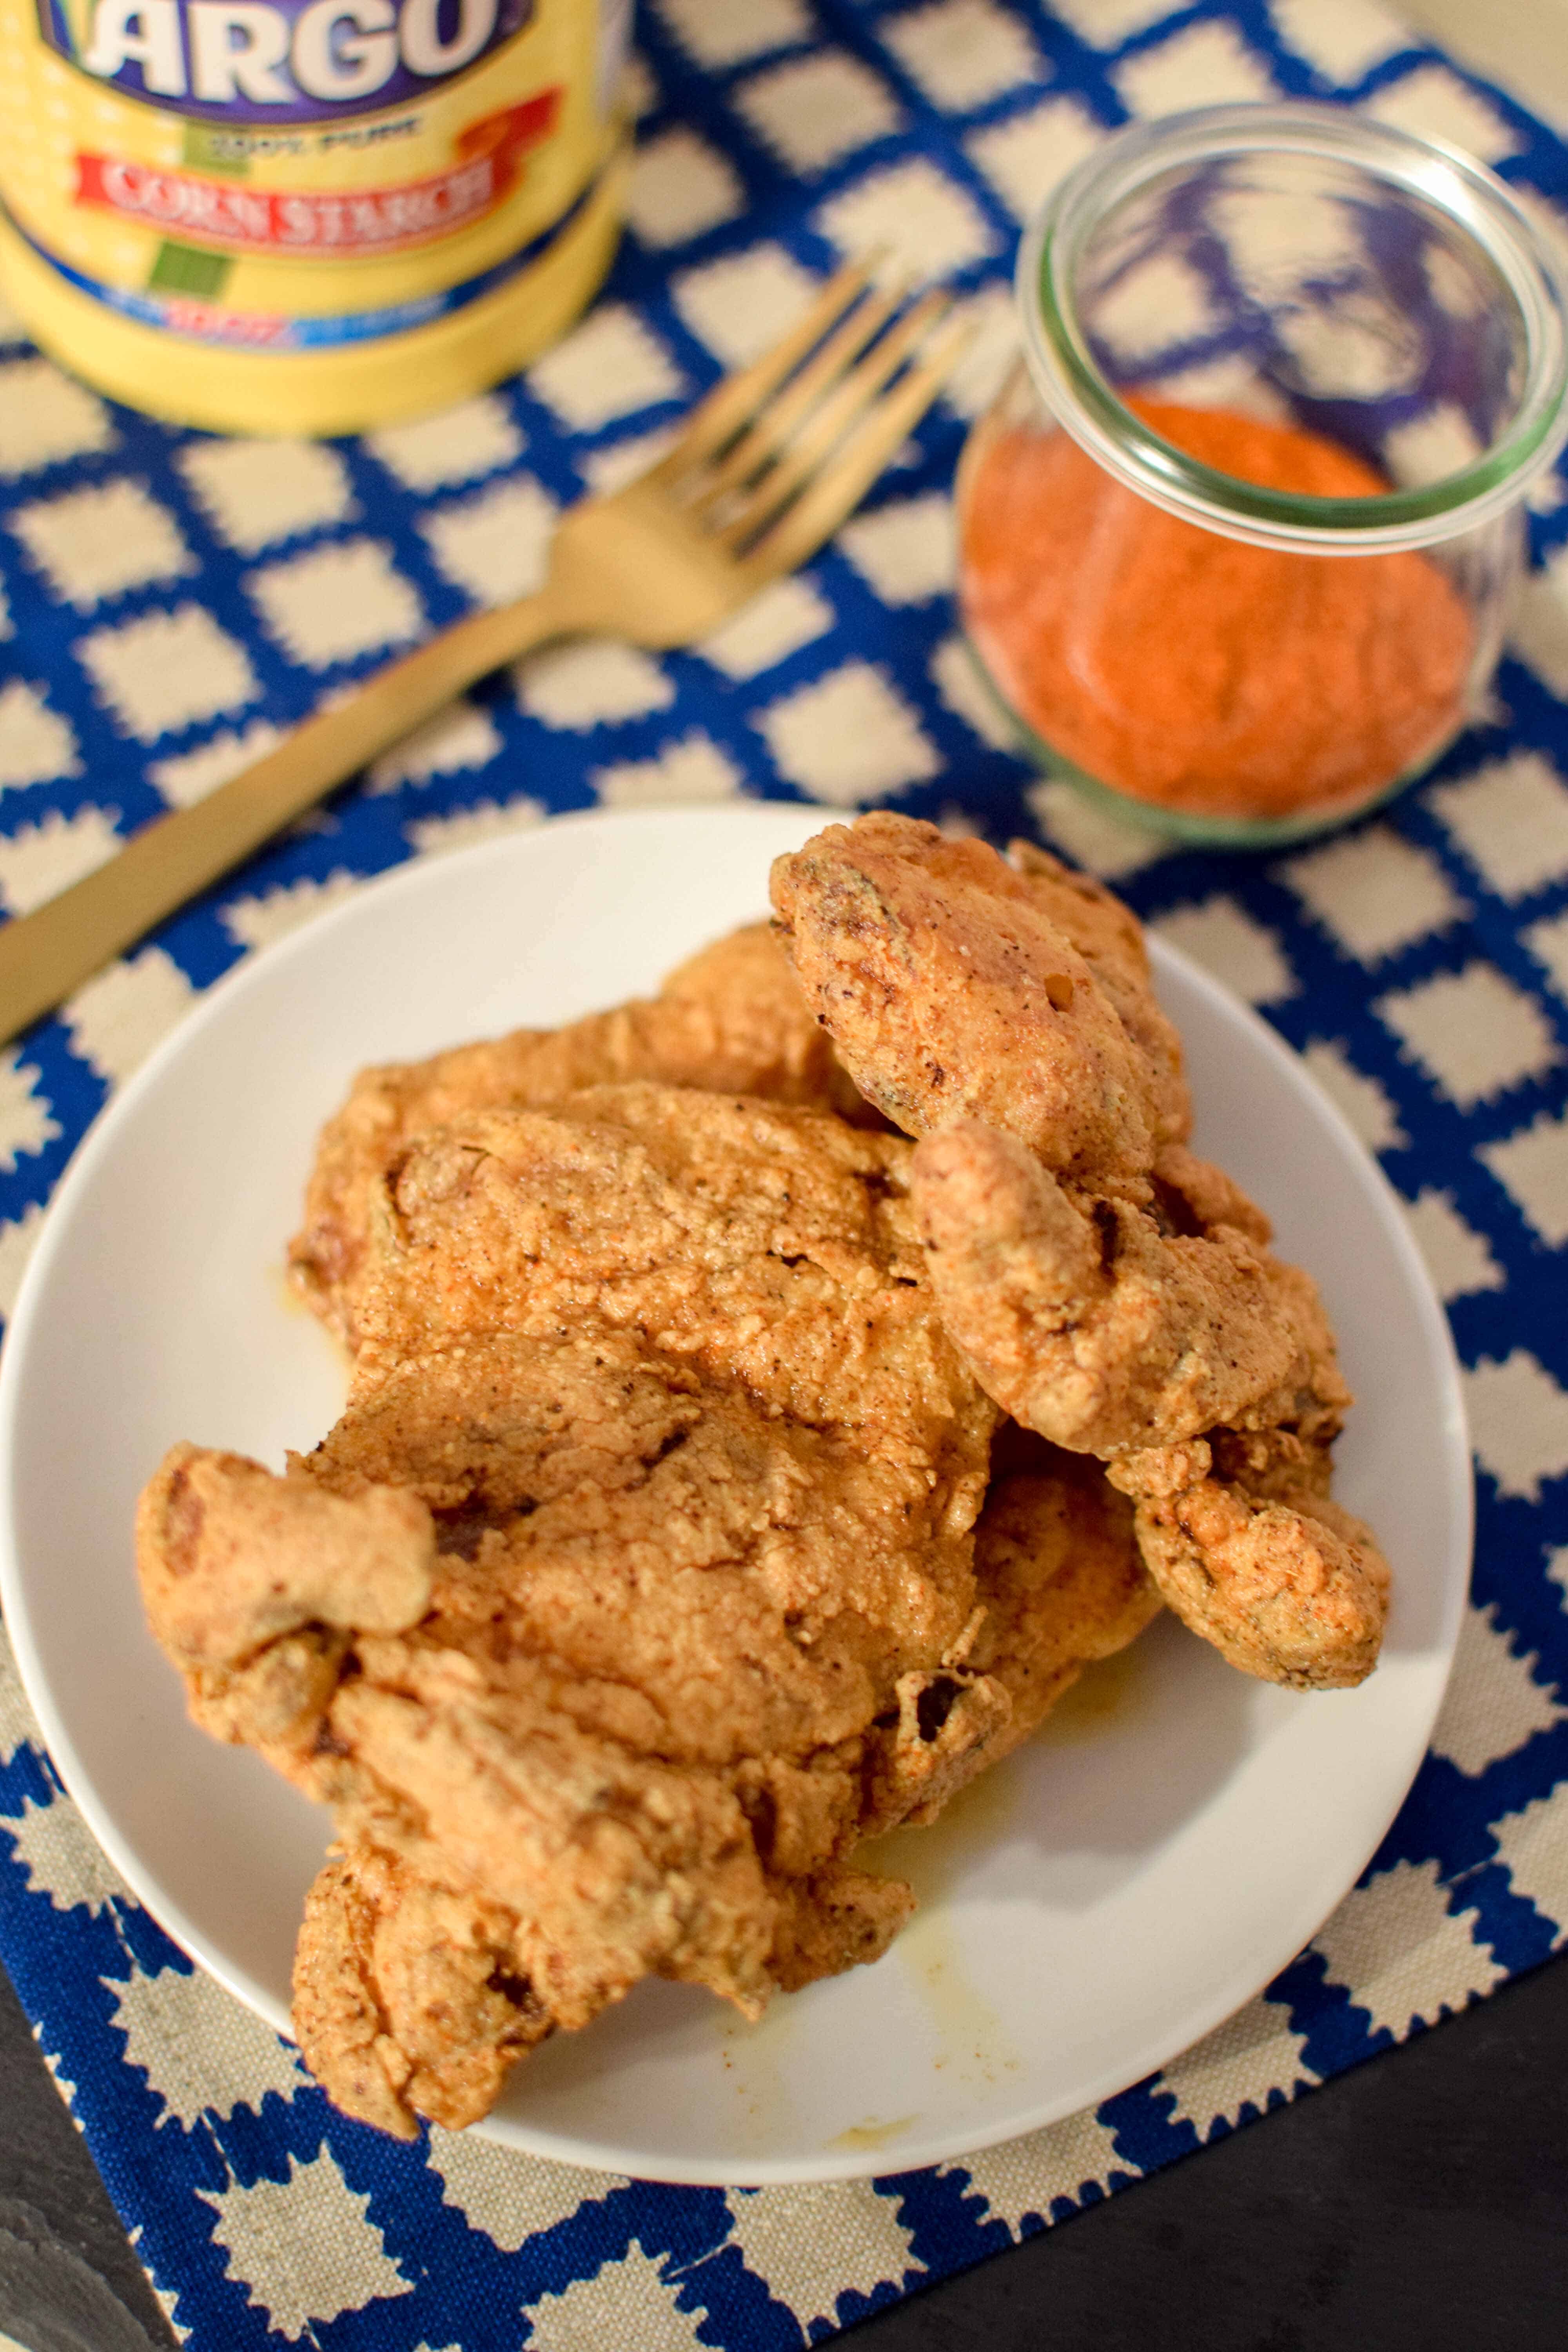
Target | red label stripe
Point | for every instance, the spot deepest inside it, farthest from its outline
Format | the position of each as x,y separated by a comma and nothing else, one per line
339,221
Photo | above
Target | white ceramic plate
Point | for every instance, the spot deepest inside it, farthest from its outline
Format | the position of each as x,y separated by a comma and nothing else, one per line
1093,1906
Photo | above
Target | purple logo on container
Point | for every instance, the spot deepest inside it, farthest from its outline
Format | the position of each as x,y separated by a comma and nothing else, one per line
278,61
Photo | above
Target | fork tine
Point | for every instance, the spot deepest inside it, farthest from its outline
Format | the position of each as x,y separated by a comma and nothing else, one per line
813,446
837,490
765,438
731,404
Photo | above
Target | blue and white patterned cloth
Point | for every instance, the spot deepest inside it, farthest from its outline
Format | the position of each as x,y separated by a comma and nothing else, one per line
171,601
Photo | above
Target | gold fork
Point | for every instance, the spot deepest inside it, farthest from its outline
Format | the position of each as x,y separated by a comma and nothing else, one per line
764,470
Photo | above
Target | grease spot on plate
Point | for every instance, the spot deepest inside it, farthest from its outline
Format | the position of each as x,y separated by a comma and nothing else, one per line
763,2055
969,2036
872,2134
284,1292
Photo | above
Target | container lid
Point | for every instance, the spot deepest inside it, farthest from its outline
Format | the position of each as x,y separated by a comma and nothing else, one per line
1157,178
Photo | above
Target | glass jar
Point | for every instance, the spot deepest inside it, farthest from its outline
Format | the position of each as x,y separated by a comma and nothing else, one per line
1238,534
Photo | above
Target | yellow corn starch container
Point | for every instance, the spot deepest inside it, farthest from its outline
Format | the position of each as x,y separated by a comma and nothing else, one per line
305,215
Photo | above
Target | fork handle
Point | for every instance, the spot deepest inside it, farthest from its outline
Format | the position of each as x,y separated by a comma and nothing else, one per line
44,955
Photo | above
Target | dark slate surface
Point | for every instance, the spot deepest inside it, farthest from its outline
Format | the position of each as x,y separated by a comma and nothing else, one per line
69,2280
1419,2201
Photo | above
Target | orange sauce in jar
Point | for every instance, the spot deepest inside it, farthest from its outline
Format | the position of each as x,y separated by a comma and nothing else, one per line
1195,671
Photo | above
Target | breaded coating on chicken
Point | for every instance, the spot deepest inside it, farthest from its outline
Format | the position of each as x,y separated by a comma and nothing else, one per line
1099,1325
731,1018
1196,1364
407,2000
1110,1289
746,980
1249,1548
958,987
591,1603
617,1598
1059,1571
774,1245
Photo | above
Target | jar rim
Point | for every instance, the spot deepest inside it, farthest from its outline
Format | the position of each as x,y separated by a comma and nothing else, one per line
1083,401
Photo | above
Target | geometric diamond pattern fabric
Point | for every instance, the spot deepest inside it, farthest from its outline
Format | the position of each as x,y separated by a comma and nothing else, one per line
1439,105
173,601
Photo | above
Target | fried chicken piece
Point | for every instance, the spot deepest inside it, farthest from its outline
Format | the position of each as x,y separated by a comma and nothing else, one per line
655,1382
1246,1543
711,1578
674,1663
958,987
1200,1367
644,1582
1059,1571
416,1999
767,1245
478,1771
1109,1288
756,1242
234,1557
746,977
1110,938
407,1997
731,1020
844,1919
1092,1322
481,1762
